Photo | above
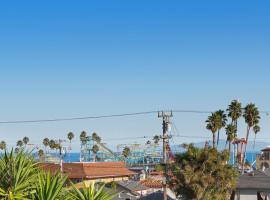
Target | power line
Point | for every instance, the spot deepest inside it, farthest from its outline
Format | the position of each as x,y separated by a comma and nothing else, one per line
108,116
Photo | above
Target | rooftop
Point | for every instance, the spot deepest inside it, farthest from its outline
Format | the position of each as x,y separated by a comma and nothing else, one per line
256,180
90,170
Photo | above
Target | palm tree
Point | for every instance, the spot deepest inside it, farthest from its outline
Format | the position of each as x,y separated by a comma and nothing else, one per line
70,136
3,145
256,129
25,140
95,150
96,138
83,136
91,193
212,126
221,122
235,112
231,134
16,150
19,143
41,154
126,152
156,139
52,144
252,118
46,143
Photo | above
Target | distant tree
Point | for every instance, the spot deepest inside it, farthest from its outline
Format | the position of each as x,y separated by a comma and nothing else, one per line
83,136
19,143
41,154
25,140
231,134
156,139
70,136
212,126
221,122
46,143
202,174
52,144
256,130
3,145
235,112
96,138
252,118
95,150
17,150
126,152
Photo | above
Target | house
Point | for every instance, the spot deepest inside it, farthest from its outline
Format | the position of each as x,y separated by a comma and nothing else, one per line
91,172
253,186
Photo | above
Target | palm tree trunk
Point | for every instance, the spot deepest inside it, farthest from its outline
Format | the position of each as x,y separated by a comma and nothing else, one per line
229,151
214,140
218,138
245,151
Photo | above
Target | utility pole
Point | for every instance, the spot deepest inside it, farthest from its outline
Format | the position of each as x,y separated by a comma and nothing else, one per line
165,126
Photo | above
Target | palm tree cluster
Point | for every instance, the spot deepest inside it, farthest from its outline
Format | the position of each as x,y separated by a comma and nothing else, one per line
21,178
218,120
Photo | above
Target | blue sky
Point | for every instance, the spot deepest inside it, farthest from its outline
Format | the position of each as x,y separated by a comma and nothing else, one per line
68,59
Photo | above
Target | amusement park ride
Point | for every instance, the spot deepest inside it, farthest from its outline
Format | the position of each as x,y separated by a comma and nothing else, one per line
140,154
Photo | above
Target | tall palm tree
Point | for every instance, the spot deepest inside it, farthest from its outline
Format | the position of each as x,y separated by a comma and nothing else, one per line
3,145
46,143
25,140
212,126
231,134
95,150
19,143
221,122
252,118
235,112
256,130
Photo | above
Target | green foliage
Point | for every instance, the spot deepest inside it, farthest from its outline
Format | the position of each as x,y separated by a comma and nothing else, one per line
93,192
203,174
49,187
21,179
18,173
235,111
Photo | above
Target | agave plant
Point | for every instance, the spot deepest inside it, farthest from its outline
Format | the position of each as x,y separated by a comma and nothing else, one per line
18,173
49,187
93,192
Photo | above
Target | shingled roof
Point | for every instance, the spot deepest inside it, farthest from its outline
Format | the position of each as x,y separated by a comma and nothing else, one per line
256,180
90,170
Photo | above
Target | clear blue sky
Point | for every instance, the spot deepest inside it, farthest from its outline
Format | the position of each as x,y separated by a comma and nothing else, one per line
80,58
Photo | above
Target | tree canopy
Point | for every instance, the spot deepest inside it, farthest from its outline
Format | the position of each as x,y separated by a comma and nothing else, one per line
203,174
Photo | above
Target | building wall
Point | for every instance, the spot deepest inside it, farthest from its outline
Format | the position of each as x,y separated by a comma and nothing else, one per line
247,195
105,180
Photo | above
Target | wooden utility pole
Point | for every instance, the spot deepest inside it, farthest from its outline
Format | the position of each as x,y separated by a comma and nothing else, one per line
165,125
